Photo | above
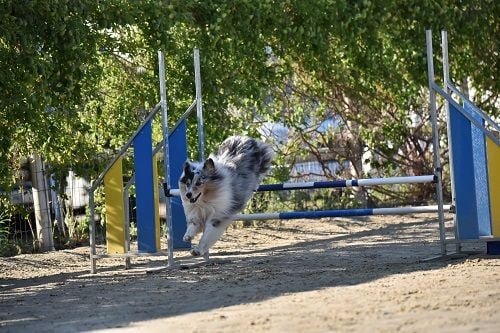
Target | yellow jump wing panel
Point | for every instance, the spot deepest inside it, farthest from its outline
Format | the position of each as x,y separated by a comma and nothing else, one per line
113,191
493,153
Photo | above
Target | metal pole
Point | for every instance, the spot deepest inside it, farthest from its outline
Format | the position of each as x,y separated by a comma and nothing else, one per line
337,213
199,112
348,183
481,113
166,160
199,106
435,142
338,183
446,77
460,108
126,206
123,149
93,268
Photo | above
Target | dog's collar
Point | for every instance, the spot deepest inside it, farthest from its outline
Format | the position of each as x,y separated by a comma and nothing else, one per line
193,200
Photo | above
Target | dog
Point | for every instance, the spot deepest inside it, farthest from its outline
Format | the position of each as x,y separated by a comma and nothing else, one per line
214,190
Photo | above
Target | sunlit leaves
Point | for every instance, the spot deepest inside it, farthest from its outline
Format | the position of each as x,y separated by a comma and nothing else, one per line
93,65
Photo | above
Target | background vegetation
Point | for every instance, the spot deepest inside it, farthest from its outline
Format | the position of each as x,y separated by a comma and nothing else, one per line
78,76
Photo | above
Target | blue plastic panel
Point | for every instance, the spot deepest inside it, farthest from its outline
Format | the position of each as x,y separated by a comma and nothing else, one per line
144,183
463,174
177,146
480,175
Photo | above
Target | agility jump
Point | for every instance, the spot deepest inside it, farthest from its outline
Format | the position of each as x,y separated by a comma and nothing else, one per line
146,180
474,150
476,200
341,212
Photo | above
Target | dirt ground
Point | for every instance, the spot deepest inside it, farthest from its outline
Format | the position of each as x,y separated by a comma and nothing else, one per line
330,275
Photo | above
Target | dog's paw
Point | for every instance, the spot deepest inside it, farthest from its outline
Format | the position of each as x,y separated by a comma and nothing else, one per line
195,252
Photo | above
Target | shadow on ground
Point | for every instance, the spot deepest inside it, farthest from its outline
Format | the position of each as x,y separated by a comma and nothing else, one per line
114,298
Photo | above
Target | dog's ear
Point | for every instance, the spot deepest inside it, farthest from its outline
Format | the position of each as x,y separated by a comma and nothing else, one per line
209,165
187,168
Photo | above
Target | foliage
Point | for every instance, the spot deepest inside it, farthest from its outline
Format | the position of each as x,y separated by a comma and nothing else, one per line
4,228
78,76
7,247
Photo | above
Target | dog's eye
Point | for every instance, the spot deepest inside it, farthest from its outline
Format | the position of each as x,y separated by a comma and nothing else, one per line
198,183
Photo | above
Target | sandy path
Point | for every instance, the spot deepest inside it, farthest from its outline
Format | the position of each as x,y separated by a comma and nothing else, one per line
332,275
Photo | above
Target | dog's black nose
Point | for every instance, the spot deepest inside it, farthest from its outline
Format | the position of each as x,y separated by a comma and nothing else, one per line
189,195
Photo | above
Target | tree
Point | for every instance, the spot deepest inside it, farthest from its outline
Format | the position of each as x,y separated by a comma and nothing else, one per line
78,75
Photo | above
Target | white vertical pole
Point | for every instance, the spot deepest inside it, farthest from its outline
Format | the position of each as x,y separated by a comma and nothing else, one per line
199,112
447,81
435,142
166,160
199,106
446,76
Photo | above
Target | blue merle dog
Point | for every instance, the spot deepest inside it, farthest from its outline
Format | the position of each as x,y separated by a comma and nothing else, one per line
214,190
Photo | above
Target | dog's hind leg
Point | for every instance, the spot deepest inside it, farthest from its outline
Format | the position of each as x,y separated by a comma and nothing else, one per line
212,233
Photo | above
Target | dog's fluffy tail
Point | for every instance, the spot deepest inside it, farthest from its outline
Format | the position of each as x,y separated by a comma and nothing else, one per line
267,155
246,155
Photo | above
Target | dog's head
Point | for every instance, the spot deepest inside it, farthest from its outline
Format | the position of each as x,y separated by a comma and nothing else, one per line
195,180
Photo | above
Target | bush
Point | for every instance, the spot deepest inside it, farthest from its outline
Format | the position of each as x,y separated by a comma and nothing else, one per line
7,248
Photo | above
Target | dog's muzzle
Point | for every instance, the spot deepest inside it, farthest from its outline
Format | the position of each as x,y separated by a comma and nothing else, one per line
193,200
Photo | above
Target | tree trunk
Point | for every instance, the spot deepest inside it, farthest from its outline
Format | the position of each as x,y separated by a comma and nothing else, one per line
58,211
41,205
355,148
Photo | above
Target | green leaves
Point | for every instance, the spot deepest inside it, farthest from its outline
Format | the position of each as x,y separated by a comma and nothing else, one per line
94,65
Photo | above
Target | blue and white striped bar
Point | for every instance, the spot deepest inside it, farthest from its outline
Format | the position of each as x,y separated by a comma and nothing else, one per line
348,183
338,183
339,213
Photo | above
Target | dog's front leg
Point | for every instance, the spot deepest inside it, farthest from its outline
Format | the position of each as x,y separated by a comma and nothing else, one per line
194,226
213,231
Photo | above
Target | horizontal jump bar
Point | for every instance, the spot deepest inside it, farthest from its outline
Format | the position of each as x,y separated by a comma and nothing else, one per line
347,183
339,213
337,183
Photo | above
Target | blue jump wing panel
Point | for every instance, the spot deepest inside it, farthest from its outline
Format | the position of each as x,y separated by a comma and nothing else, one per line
463,174
177,146
480,174
144,183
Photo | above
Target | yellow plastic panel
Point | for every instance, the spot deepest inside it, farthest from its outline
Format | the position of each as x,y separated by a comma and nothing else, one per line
115,213
493,155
